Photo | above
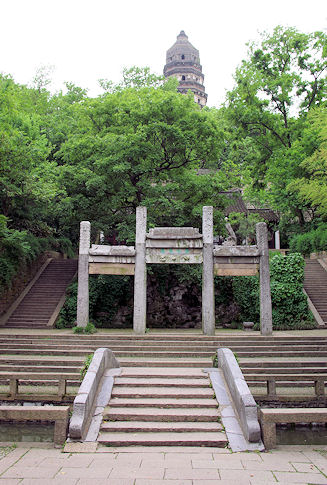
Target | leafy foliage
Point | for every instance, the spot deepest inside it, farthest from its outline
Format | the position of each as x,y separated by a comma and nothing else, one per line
310,242
282,79
289,303
244,225
86,364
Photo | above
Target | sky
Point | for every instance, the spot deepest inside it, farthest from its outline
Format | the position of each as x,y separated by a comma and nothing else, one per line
89,40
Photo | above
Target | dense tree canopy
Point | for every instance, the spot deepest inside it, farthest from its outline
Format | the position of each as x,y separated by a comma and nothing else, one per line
312,186
68,157
283,78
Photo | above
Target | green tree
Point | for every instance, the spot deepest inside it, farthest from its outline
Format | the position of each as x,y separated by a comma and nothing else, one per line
282,79
139,146
27,178
311,188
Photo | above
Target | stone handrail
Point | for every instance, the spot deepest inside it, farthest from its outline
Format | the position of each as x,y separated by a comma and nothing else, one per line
245,405
318,380
84,403
15,379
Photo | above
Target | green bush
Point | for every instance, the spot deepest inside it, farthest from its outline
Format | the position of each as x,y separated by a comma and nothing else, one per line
89,329
106,294
246,295
86,365
287,270
289,303
310,242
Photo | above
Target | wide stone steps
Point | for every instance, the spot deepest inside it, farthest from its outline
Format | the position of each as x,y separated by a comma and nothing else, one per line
162,351
162,407
39,304
165,356
56,349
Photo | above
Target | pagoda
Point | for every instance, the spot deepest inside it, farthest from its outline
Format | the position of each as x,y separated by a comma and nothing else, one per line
183,62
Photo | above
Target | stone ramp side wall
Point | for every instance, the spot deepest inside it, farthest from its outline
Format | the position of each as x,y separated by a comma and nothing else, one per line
243,400
84,402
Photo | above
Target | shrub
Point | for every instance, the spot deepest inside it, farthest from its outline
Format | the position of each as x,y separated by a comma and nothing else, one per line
89,329
86,365
287,270
289,303
246,295
310,242
106,294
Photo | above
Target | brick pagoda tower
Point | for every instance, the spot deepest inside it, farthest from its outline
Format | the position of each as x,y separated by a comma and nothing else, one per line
183,62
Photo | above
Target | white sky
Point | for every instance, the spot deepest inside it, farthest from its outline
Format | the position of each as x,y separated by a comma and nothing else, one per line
89,40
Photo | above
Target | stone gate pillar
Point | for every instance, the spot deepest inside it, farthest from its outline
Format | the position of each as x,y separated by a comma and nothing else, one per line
139,317
265,296
208,295
83,275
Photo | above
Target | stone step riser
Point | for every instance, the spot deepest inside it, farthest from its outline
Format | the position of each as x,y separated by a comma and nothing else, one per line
67,370
159,440
320,370
154,383
169,339
168,405
133,394
128,415
149,346
157,427
28,350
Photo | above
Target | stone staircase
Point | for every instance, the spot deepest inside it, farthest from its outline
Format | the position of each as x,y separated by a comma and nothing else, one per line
162,406
45,297
62,352
315,285
159,349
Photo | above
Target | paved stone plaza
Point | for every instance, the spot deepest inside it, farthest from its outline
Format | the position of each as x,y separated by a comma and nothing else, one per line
165,466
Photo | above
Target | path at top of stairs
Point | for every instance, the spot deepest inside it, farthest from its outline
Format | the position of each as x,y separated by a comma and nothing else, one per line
43,298
315,285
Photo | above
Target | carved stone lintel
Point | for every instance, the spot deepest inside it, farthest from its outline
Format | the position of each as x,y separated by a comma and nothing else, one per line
173,233
102,250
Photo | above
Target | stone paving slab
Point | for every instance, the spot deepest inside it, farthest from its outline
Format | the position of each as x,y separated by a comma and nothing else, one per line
150,466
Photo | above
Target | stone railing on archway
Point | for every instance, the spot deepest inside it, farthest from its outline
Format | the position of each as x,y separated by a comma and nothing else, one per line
174,245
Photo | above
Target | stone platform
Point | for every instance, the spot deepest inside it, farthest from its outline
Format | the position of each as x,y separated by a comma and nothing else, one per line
173,466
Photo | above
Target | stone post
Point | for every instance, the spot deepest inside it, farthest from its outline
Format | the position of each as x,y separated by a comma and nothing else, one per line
265,297
277,240
139,319
208,295
83,275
